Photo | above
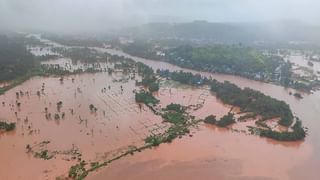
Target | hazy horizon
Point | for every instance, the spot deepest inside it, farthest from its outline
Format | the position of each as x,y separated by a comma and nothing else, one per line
101,15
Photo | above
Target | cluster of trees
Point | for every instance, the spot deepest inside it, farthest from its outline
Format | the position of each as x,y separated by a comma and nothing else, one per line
250,100
141,49
148,77
227,59
247,99
183,77
298,133
83,54
7,126
68,40
225,121
146,98
211,119
93,108
174,114
15,60
175,107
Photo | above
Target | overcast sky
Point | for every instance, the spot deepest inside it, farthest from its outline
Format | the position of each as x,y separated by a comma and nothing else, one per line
102,14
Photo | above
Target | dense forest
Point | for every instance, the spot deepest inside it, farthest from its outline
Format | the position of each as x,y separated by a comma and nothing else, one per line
215,32
15,59
228,59
225,59
237,59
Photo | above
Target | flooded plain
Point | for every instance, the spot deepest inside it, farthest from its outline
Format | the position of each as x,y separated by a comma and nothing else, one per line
207,153
248,157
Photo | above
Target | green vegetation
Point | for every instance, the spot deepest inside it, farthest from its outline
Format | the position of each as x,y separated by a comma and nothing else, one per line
43,155
228,59
174,117
175,107
249,100
68,40
144,70
183,77
180,121
93,108
78,171
225,59
154,140
17,64
226,120
210,119
297,95
146,98
141,49
153,87
253,101
148,77
233,59
79,54
7,126
15,60
298,133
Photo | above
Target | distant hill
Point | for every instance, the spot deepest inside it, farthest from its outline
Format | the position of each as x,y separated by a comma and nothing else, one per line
293,32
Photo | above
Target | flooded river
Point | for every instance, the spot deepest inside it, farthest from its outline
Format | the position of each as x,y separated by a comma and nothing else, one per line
208,153
213,153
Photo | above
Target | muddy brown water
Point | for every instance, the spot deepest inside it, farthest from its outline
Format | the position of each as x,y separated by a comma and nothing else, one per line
117,124
211,152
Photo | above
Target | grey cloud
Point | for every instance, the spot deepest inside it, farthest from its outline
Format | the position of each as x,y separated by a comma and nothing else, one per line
87,15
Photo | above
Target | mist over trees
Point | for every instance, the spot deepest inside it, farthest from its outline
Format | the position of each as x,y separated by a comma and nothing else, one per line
15,59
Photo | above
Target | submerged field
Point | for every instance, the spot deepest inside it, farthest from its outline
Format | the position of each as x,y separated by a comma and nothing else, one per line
66,119
117,124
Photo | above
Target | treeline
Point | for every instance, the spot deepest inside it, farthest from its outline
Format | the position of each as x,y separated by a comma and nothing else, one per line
183,77
7,126
253,101
15,60
68,40
225,121
237,59
148,77
229,59
141,49
146,98
248,100
82,54
298,133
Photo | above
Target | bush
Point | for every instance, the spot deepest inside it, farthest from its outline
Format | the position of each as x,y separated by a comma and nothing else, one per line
153,87
7,126
146,98
226,120
210,119
175,107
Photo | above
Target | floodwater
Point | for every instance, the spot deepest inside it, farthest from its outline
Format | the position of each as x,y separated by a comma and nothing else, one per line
214,153
208,153
301,60
117,124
